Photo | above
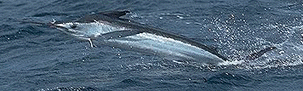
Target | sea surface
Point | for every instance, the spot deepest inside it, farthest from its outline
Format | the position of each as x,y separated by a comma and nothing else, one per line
40,58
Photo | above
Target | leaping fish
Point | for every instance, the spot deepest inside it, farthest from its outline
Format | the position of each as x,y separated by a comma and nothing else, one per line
110,29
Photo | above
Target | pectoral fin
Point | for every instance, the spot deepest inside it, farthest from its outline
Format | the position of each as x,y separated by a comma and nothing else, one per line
120,34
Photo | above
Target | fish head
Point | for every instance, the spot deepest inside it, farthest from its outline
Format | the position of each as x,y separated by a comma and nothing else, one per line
93,25
83,30
69,28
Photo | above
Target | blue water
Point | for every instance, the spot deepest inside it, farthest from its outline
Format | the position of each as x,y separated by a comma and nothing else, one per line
40,58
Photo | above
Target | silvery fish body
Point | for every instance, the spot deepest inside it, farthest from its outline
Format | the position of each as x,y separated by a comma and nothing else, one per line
108,29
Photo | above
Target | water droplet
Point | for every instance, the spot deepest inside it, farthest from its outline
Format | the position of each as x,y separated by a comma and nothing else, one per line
281,52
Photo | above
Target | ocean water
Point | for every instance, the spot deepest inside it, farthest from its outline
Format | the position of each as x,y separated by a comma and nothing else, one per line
39,58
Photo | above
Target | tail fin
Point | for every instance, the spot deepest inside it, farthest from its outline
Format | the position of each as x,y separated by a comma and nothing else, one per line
260,53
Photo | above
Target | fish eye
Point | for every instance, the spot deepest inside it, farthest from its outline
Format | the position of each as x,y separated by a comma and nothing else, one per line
73,26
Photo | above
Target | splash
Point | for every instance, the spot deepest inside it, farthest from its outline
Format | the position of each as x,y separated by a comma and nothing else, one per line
240,41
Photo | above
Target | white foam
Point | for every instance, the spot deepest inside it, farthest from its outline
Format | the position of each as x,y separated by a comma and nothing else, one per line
236,62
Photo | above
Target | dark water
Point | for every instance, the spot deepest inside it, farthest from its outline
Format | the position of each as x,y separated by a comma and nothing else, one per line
41,58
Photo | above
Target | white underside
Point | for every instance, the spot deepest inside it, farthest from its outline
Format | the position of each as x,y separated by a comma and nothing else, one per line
167,47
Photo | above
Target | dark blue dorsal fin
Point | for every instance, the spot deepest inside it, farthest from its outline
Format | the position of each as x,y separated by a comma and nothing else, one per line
98,16
115,14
